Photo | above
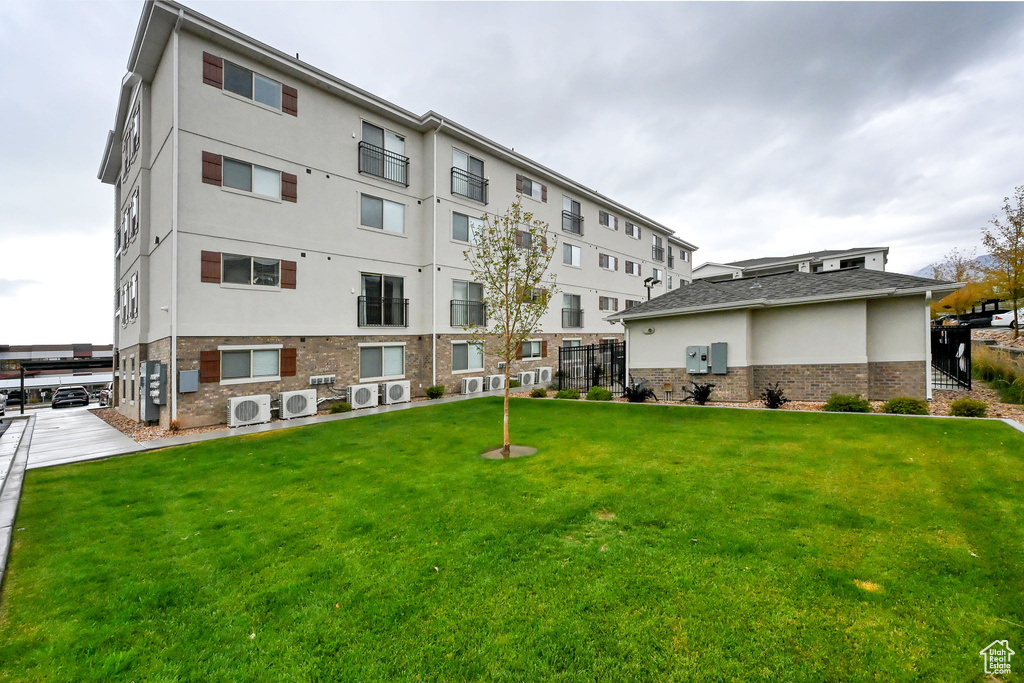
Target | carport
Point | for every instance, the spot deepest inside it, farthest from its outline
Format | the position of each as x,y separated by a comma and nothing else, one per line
78,364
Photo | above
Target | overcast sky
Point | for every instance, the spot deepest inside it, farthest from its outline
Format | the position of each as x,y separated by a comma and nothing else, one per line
752,130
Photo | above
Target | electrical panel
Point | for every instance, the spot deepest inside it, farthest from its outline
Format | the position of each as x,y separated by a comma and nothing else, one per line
152,389
321,379
188,381
719,358
697,360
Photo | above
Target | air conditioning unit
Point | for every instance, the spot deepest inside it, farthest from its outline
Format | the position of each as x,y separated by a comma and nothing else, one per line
396,392
527,378
472,385
494,382
544,375
248,410
363,395
297,403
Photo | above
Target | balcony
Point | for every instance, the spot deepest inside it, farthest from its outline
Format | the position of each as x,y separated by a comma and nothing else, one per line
572,317
380,162
671,260
658,253
572,222
468,185
468,313
375,311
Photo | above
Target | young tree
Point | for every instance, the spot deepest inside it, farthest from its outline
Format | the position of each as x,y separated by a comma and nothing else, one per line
957,266
1005,241
510,257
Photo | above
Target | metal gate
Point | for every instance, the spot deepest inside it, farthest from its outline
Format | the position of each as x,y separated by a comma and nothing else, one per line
951,358
596,365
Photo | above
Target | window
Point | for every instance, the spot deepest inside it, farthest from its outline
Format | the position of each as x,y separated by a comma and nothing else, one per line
608,221
630,303
381,362
531,188
536,296
633,230
382,153
250,270
134,210
382,301
250,364
571,301
524,239
467,307
467,356
466,228
533,349
123,308
684,255
252,178
632,268
571,343
658,274
133,297
608,262
468,176
572,216
852,263
131,141
251,85
572,313
669,284
382,214
126,226
657,248
571,255
607,303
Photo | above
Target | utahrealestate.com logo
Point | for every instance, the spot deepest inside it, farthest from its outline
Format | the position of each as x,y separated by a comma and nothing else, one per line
997,657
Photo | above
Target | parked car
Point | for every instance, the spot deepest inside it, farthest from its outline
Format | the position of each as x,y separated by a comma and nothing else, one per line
106,393
1007,319
14,397
3,404
70,396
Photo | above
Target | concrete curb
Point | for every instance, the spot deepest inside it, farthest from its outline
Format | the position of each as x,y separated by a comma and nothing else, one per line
14,448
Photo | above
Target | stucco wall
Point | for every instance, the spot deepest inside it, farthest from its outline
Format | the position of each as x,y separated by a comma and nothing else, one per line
897,329
666,347
816,333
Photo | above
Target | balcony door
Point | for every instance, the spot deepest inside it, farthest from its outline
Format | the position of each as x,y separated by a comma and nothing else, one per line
385,156
467,304
383,300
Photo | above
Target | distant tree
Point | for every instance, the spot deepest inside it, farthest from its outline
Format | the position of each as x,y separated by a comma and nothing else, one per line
958,266
1005,241
962,300
510,257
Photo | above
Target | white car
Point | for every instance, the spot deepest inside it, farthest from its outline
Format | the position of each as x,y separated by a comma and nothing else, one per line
1007,320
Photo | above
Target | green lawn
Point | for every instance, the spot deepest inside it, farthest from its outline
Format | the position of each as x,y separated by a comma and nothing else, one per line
640,543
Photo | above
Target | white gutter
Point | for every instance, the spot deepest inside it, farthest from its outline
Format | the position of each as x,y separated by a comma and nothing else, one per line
172,380
928,345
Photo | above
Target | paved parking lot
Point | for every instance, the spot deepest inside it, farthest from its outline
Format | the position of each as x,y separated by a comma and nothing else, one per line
65,435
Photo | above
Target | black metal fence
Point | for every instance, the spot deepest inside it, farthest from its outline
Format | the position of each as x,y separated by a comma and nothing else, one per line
469,185
596,365
951,358
375,311
468,313
572,222
383,163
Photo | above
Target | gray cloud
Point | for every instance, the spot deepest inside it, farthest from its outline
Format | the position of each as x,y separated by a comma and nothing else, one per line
11,288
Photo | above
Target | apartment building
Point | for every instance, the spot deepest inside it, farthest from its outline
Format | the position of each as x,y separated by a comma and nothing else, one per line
868,258
275,223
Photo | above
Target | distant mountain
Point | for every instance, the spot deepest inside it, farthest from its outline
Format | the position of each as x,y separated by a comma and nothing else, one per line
983,261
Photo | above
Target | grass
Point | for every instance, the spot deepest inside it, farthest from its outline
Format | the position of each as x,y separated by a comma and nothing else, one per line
640,543
1003,372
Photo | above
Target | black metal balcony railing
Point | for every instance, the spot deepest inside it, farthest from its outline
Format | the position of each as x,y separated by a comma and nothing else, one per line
375,311
572,317
383,163
658,253
572,222
469,185
468,313
671,260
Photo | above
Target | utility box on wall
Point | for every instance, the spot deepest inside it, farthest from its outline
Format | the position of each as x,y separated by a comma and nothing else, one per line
152,389
719,358
697,360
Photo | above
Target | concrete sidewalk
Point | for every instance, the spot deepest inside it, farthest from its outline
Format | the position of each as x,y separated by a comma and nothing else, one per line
73,435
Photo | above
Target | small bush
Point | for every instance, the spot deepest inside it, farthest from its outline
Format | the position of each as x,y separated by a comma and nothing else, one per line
639,392
539,392
568,393
599,394
341,407
436,391
173,426
698,393
774,397
905,405
968,407
844,403
514,384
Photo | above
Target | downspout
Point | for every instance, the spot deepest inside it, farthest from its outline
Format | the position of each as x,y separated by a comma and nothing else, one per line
628,383
928,344
433,263
173,379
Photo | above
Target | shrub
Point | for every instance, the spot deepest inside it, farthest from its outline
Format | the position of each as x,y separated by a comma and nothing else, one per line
514,384
599,394
173,426
639,392
844,403
568,393
773,397
905,405
698,393
341,407
539,392
436,391
968,407
1004,372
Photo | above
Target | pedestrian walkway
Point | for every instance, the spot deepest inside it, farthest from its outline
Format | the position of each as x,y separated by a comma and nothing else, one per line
73,435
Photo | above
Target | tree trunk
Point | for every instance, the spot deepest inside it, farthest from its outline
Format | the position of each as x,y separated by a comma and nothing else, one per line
506,447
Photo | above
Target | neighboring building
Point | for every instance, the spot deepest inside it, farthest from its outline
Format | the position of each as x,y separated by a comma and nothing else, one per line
869,258
38,382
275,223
852,331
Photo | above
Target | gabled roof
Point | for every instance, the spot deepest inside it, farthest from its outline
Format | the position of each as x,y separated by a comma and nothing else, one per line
809,256
782,290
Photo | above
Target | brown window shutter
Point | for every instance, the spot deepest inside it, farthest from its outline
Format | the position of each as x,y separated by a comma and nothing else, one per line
211,168
288,274
519,353
288,362
211,266
543,193
544,348
544,296
602,217
289,187
519,183
213,70
615,304
289,100
519,238
209,366
615,221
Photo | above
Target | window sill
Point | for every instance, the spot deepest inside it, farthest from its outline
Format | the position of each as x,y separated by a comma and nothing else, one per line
249,193
381,231
255,288
386,378
255,103
249,380
569,265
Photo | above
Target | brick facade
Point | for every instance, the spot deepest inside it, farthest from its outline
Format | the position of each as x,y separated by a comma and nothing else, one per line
813,382
733,386
897,378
